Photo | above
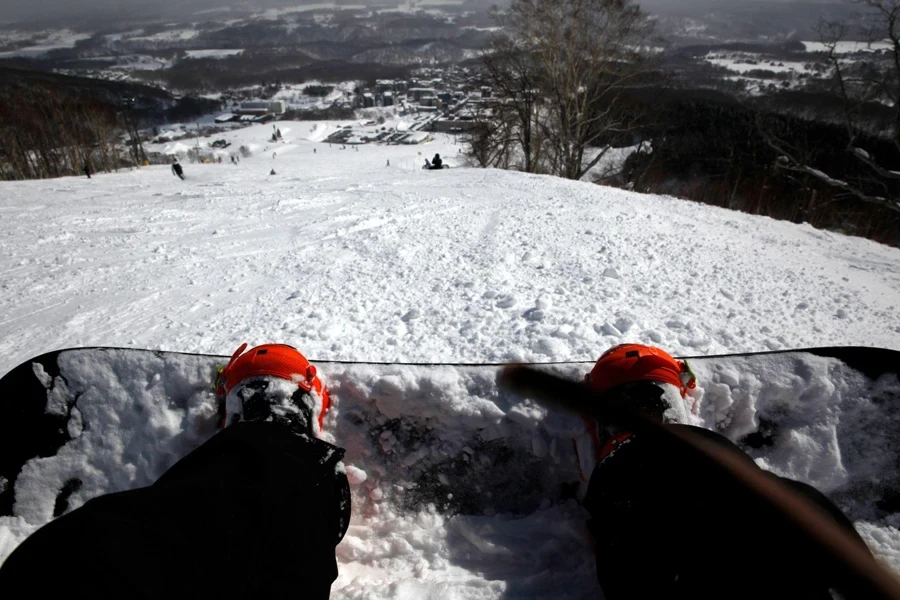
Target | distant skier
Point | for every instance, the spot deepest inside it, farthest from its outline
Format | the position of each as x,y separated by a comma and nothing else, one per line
177,170
272,172
87,170
436,162
666,530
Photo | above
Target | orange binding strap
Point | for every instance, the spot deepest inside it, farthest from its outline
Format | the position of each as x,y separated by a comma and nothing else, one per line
273,360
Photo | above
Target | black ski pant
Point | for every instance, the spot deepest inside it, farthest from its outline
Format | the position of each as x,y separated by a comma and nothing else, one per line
255,512
665,528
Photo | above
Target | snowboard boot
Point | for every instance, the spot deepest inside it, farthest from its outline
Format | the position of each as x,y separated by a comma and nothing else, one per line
273,383
599,440
272,400
644,379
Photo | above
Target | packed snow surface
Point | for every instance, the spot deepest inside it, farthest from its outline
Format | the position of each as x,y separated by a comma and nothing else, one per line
349,258
360,255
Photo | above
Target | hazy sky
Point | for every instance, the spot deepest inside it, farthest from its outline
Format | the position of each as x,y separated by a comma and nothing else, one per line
15,10
27,10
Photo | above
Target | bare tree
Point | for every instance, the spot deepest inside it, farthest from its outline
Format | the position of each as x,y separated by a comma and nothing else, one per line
492,138
45,132
859,85
514,76
567,66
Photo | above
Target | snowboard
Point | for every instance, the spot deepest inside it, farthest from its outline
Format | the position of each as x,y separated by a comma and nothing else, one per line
79,423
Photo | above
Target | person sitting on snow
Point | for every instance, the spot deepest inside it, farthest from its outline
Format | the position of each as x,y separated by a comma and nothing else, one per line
436,162
663,529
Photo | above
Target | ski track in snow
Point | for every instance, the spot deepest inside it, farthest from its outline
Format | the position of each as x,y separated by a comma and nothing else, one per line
349,259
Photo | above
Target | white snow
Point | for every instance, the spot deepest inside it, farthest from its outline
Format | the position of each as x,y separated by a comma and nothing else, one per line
13,531
142,62
744,65
861,153
115,37
171,35
213,53
295,98
349,259
278,13
849,47
612,162
47,41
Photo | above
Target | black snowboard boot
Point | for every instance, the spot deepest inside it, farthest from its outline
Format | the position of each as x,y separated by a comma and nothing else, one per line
273,400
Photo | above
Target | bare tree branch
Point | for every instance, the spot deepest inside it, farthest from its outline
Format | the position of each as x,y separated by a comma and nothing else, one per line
566,66
856,85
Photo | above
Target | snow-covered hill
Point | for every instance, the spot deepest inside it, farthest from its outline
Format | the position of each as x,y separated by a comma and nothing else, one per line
349,258
361,255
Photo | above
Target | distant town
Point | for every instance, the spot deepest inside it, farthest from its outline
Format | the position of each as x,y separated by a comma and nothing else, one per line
446,100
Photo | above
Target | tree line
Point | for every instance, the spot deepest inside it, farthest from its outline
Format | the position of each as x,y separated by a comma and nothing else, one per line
710,148
55,125
574,79
47,132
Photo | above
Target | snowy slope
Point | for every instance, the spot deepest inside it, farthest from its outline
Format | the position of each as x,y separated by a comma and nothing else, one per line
351,259
347,257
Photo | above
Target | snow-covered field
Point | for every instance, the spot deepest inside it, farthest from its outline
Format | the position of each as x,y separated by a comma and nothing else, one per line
360,255
337,248
171,35
140,62
743,65
46,41
294,97
760,74
277,13
213,53
849,47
